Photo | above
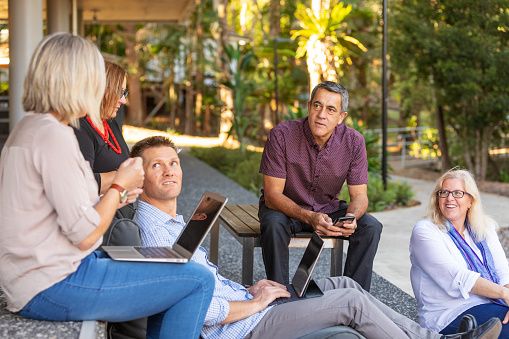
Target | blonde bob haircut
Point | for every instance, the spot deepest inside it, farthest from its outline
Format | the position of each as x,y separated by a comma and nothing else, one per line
65,77
475,215
115,76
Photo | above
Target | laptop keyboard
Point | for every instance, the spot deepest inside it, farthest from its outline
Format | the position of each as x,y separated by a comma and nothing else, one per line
293,296
157,252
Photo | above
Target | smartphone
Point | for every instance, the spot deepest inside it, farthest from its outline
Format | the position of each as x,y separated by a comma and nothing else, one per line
345,218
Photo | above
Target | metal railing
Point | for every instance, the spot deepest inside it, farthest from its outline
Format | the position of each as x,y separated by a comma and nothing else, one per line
412,145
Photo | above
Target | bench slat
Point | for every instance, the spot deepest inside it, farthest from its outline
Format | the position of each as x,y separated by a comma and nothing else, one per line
245,218
252,210
237,225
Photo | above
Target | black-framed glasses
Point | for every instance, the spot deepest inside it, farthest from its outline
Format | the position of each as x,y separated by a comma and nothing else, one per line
124,93
455,193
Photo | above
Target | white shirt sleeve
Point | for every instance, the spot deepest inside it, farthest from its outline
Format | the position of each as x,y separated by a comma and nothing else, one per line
498,254
430,252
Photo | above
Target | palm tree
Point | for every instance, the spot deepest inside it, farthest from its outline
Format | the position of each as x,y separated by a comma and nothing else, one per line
238,64
322,39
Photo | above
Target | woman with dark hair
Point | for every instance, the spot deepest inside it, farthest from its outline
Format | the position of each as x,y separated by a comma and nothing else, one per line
100,139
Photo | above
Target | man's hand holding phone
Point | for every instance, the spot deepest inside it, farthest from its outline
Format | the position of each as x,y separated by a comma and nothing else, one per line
347,224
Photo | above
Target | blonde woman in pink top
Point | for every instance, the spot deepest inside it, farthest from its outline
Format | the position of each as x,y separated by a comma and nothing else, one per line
52,220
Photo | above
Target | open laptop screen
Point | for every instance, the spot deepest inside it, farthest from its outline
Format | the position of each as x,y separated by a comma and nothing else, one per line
307,264
203,216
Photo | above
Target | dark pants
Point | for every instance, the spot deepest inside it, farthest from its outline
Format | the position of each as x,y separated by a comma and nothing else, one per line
482,313
277,229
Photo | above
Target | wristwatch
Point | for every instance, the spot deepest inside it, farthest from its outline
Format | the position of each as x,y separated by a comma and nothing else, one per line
122,191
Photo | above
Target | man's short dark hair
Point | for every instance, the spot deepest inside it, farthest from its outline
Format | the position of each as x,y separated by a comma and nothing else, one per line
150,142
335,88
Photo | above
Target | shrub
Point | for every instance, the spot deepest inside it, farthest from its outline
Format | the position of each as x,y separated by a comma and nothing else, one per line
241,167
398,194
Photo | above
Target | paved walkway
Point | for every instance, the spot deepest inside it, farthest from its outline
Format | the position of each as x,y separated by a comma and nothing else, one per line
392,260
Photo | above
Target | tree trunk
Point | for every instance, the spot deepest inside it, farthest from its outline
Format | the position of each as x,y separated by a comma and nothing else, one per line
275,31
206,121
226,120
189,98
442,137
188,124
199,67
172,97
135,108
485,145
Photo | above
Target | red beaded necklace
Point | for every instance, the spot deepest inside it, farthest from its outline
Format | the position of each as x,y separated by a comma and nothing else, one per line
106,135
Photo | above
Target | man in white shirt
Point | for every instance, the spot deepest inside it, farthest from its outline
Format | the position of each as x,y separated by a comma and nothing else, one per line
238,312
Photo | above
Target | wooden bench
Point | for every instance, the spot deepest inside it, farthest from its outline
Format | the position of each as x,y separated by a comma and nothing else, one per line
243,223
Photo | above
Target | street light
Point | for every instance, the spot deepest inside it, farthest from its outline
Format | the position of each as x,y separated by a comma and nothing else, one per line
384,94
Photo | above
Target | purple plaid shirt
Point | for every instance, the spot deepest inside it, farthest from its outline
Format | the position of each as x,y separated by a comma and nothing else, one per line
314,177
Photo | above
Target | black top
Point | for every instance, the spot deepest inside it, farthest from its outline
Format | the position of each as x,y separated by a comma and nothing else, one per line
97,152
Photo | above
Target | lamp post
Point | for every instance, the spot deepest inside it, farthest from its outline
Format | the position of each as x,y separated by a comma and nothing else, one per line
276,90
384,94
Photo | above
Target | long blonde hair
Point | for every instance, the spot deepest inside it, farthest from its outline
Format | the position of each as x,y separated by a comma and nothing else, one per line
66,76
478,220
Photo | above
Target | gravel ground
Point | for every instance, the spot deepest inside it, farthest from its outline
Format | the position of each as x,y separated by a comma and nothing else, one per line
503,235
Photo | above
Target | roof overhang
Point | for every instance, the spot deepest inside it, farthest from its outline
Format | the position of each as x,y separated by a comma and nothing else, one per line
108,11
118,11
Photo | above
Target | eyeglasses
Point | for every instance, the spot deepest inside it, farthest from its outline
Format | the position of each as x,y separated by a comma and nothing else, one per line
124,93
455,194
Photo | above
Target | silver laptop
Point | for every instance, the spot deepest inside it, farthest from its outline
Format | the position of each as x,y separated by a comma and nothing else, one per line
302,286
203,218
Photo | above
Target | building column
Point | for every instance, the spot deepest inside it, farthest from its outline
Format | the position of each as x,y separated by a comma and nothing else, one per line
59,16
25,32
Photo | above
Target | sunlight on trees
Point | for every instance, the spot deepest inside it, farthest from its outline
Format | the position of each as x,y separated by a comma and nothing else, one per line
323,40
237,68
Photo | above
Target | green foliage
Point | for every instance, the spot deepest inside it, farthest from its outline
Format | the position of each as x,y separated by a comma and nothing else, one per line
328,27
239,62
461,48
504,175
295,113
108,38
372,146
398,194
323,38
426,146
241,167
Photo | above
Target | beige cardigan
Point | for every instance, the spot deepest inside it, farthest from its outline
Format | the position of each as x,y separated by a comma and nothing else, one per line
47,198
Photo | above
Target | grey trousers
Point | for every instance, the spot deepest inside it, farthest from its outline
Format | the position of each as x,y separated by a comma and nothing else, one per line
344,303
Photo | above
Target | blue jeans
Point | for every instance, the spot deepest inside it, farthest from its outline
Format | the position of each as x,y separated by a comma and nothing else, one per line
175,297
482,313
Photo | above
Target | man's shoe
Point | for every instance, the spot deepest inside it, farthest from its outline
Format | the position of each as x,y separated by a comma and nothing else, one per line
489,330
467,323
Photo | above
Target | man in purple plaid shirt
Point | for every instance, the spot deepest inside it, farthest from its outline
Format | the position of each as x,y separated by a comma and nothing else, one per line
304,165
